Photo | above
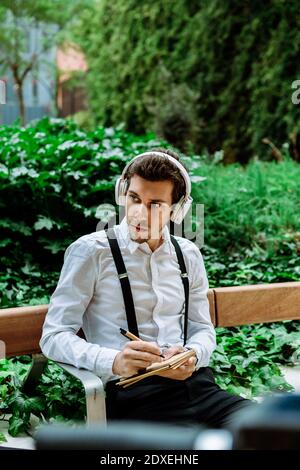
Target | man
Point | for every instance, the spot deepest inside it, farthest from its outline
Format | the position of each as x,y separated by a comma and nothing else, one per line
154,187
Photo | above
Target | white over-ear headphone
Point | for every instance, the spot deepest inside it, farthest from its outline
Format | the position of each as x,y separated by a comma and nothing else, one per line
181,207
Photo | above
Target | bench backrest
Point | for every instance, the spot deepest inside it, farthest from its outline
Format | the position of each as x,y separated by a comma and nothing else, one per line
21,327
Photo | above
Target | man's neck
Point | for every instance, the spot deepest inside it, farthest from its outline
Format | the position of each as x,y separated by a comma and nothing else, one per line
154,244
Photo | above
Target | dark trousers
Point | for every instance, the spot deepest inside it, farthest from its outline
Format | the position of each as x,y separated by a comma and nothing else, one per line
195,401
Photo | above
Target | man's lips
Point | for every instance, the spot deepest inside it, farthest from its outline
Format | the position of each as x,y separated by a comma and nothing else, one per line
139,228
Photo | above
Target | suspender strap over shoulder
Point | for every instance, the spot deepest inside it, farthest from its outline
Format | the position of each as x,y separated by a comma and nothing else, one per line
125,285
185,281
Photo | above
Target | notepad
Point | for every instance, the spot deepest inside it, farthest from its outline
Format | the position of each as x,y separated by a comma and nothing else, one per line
173,363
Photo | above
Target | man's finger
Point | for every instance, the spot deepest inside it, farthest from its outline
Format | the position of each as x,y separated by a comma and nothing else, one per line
140,364
170,352
144,346
188,364
134,354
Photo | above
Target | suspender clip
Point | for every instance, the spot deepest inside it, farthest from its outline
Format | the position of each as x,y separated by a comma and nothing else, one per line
120,276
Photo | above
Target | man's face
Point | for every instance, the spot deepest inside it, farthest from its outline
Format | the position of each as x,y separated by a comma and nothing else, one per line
148,206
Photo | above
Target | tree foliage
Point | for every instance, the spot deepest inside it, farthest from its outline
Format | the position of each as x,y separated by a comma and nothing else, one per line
214,74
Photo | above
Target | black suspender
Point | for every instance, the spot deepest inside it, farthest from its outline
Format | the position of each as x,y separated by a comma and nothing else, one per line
125,284
185,282
123,276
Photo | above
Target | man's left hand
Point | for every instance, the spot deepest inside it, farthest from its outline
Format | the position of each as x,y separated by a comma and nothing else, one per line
184,371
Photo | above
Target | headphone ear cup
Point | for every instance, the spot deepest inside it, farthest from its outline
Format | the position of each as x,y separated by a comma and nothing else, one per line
117,186
176,216
186,207
120,191
181,209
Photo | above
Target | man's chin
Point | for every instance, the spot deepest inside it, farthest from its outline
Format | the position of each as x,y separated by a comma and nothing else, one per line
139,240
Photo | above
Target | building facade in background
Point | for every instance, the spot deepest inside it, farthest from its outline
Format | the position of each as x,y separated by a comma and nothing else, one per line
47,90
39,87
71,97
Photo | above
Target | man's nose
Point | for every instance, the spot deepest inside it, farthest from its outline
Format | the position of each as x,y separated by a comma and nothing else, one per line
141,212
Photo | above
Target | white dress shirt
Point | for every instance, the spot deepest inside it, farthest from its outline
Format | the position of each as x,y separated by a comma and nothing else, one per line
89,296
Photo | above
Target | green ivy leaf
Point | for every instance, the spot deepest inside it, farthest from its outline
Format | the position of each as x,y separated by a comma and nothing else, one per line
43,222
17,425
2,437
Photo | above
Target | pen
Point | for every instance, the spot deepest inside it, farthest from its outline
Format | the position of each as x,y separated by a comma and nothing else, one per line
132,337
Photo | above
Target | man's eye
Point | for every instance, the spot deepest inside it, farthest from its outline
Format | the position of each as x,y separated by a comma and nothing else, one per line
155,205
135,199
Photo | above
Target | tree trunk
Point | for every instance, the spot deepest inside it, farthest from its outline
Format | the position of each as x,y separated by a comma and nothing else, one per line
19,89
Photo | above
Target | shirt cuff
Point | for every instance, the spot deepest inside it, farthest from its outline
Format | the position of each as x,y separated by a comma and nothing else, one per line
104,362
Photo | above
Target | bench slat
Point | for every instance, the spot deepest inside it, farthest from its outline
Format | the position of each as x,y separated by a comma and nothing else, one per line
212,306
21,329
260,303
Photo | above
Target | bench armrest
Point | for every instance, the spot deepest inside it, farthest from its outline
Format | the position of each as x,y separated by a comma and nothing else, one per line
94,392
92,384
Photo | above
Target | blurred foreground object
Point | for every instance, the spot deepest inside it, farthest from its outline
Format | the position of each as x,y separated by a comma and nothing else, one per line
274,425
132,435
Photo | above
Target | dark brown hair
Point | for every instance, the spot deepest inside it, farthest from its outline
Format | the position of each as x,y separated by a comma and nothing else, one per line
159,168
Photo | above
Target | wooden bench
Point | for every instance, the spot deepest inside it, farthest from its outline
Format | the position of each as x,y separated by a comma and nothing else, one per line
21,327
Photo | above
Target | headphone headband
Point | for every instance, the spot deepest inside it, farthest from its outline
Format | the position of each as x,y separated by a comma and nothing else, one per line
181,168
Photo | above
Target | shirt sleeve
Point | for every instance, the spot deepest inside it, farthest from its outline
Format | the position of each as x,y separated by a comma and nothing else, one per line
201,331
67,306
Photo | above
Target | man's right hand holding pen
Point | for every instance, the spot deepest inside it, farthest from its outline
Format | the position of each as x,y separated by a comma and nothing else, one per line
136,355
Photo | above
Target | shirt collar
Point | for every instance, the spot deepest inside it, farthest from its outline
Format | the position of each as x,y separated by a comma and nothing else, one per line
125,240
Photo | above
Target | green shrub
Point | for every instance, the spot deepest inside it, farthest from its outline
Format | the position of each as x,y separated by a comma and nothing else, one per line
252,227
215,73
53,176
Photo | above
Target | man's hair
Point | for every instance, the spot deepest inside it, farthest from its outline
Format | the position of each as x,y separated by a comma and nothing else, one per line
159,168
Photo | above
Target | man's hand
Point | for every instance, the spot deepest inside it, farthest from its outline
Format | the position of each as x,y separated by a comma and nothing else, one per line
184,371
135,356
170,352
